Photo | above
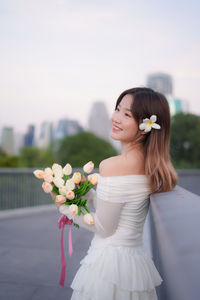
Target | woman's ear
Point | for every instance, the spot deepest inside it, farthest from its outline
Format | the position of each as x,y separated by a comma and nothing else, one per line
143,132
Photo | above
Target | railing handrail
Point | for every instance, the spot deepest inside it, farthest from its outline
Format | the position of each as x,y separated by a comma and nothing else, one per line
29,170
173,215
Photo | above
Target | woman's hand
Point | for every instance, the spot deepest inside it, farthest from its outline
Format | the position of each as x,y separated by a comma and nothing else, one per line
53,195
56,203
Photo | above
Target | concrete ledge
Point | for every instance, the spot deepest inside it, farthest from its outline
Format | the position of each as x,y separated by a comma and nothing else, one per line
17,212
175,223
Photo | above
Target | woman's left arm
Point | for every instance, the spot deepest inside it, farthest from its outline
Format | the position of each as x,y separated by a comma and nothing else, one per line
106,217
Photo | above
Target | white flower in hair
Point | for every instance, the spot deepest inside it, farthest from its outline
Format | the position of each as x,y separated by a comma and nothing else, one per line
149,123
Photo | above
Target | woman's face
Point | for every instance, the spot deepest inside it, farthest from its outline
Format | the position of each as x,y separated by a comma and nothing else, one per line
124,126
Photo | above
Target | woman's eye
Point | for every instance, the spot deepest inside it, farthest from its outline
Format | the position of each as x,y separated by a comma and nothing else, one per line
117,109
127,115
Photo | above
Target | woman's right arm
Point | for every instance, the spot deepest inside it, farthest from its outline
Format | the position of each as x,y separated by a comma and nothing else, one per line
91,198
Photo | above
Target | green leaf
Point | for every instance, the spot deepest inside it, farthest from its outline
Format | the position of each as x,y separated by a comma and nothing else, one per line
76,225
79,210
66,177
55,190
87,209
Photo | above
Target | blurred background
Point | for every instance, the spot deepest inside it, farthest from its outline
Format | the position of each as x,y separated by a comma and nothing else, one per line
63,64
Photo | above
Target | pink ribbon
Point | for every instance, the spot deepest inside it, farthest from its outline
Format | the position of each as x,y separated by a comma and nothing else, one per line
64,220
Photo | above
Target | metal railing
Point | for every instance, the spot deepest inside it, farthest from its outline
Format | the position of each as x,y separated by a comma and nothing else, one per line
20,188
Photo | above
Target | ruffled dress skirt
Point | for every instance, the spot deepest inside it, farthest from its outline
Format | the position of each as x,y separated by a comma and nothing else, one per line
112,272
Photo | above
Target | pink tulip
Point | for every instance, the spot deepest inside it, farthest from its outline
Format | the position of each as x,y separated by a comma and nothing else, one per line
73,209
60,199
88,219
88,167
93,178
48,177
47,187
70,195
39,174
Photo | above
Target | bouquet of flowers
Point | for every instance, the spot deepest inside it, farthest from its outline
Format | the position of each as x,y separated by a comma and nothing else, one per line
70,190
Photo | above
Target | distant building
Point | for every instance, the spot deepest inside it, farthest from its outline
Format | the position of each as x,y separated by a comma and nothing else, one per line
29,136
18,142
7,140
46,135
160,82
66,128
99,122
163,83
177,105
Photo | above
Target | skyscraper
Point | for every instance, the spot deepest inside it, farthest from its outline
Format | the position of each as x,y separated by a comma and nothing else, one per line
7,140
67,127
29,136
160,82
46,135
177,105
99,122
163,83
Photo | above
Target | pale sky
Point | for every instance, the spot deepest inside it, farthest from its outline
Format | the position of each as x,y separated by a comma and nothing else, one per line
57,57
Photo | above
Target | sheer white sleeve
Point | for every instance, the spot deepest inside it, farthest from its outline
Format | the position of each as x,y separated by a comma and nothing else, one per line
111,195
106,217
91,198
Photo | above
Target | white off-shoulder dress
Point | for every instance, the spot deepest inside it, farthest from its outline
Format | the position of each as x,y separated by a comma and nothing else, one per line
117,267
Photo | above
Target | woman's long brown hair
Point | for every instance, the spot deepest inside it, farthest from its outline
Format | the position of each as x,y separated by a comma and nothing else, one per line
156,143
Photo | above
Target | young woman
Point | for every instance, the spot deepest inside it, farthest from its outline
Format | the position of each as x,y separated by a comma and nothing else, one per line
116,266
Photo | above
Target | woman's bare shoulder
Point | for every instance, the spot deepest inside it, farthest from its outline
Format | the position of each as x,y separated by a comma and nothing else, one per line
117,166
108,165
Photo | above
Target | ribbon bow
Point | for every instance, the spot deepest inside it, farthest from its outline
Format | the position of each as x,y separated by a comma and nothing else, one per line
64,220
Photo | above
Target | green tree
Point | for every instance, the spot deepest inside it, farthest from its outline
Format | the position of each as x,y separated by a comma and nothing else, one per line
32,157
185,141
83,147
2,153
8,161
11,161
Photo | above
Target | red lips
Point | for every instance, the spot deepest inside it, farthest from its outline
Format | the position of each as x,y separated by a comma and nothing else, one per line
116,128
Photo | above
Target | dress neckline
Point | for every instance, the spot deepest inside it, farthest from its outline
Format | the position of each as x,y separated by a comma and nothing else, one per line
128,175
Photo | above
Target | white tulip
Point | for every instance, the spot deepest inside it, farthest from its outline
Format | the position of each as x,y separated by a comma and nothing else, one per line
67,170
70,185
63,190
59,182
58,171
76,177
48,171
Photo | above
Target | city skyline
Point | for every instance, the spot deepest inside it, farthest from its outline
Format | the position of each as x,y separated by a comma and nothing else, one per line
60,56
41,137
